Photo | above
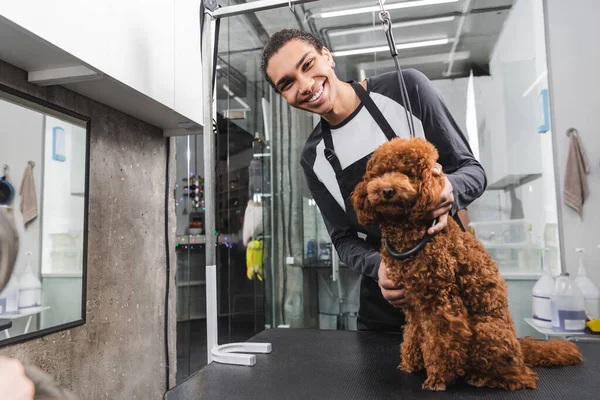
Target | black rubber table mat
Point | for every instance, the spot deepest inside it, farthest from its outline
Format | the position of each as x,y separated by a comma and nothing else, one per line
319,364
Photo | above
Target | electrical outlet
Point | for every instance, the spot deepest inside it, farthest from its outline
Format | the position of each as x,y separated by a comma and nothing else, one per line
289,260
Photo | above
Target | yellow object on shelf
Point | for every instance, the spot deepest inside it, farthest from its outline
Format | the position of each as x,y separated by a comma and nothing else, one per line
594,325
254,259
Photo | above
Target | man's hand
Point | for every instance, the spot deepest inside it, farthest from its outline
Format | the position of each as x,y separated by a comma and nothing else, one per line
445,204
391,293
14,384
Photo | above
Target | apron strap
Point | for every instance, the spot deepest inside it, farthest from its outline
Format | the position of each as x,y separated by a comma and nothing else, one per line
376,114
373,110
329,152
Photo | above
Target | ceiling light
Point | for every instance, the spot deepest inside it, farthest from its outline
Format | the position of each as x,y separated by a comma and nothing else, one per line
344,32
236,98
402,46
388,7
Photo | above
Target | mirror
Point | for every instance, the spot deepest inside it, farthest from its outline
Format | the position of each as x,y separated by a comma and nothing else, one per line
43,155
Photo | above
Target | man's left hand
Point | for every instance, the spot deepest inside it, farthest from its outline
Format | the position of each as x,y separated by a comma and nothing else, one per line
445,204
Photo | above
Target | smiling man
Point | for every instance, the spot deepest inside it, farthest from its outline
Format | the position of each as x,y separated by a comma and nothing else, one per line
355,119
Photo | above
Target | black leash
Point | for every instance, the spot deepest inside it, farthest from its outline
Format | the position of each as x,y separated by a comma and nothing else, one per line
410,252
386,21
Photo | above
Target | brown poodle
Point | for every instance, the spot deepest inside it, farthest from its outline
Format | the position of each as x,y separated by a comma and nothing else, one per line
458,323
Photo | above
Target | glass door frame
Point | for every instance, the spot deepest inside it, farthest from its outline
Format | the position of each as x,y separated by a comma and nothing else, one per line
210,41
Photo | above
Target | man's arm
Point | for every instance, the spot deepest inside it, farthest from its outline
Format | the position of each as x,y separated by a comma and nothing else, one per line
464,172
353,251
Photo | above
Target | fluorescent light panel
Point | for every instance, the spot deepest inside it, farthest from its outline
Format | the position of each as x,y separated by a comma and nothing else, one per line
388,7
344,32
402,46
236,98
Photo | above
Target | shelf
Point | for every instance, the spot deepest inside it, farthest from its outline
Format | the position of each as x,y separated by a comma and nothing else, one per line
513,181
62,274
190,239
190,283
192,317
550,332
496,246
234,209
520,276
239,313
26,313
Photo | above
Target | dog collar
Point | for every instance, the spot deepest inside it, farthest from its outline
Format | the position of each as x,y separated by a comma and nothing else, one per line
410,252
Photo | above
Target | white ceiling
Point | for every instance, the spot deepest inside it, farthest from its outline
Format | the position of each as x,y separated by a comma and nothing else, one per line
243,37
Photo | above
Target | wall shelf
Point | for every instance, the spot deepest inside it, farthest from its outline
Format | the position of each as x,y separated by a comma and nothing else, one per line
191,283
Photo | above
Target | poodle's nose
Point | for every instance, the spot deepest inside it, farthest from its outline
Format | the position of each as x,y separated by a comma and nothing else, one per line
388,193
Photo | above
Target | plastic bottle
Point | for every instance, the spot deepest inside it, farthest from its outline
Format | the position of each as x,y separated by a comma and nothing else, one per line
541,293
591,293
9,298
568,306
30,288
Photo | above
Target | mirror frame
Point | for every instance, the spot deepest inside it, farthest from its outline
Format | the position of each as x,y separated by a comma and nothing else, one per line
40,105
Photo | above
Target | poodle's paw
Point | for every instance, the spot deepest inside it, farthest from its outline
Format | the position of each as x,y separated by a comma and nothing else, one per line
434,384
476,380
526,383
522,378
410,367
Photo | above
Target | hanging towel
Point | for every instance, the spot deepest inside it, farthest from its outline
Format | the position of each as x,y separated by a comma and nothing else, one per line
575,184
253,222
29,207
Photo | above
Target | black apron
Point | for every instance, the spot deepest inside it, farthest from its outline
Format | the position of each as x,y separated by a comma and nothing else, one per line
375,313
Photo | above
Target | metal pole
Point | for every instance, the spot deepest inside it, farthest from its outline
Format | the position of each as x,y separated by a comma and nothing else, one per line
209,189
255,6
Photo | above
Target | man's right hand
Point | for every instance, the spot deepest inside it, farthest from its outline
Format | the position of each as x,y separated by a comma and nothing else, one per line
390,292
14,384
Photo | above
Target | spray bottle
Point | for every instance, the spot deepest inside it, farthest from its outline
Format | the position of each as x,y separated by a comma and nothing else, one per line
9,298
568,305
30,288
541,293
590,291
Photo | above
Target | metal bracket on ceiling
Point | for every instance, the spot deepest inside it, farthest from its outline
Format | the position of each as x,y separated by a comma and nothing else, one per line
291,6
211,5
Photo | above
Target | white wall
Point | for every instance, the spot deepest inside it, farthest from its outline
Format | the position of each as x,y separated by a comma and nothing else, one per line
454,93
62,211
152,46
573,59
23,129
508,119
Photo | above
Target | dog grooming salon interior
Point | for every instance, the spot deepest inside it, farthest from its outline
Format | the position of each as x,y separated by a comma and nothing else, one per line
175,215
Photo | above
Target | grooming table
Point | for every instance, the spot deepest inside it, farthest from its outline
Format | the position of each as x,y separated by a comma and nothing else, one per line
320,364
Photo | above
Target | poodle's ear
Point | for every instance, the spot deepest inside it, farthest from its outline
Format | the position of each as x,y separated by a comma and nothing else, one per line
430,188
360,203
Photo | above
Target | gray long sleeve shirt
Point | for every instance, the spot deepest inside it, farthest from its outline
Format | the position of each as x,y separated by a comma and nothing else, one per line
359,135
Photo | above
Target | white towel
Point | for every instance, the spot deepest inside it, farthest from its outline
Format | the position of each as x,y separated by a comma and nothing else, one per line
29,207
575,183
253,222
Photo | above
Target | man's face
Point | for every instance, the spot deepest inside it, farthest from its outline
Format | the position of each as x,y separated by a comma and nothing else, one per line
304,77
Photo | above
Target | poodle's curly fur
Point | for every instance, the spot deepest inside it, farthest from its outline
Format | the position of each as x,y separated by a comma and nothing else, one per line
458,323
